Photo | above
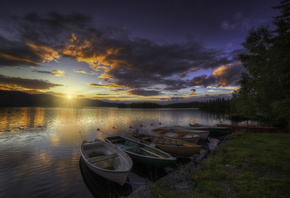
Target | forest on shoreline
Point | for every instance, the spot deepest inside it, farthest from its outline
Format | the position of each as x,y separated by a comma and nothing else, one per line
21,99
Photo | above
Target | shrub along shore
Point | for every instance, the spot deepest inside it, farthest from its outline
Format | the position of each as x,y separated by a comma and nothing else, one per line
247,165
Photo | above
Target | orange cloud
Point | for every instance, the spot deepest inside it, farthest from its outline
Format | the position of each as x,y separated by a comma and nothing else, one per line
83,51
192,92
221,74
80,71
22,84
46,53
58,73
219,71
98,85
15,58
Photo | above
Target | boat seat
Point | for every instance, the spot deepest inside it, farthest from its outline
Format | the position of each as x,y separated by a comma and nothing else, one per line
115,140
92,146
133,147
101,158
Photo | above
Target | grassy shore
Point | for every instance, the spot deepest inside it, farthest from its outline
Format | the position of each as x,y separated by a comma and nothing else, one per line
247,165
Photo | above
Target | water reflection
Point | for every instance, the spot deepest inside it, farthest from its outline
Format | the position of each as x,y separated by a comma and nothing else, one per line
39,153
101,187
139,175
108,119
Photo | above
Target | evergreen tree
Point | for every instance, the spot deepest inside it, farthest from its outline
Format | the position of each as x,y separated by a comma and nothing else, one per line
265,87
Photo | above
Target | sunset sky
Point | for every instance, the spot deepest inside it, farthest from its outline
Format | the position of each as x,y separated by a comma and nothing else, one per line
120,50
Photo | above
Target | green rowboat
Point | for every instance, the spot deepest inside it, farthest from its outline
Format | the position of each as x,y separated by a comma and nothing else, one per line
142,153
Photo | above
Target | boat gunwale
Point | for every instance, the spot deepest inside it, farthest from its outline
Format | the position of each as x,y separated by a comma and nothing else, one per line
170,158
184,143
107,170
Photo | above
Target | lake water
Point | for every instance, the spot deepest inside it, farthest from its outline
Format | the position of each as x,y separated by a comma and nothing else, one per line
39,147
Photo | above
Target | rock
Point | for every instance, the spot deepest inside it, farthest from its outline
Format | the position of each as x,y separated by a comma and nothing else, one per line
142,192
202,155
176,180
191,168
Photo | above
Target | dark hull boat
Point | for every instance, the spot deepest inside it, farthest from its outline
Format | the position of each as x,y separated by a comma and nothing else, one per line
142,153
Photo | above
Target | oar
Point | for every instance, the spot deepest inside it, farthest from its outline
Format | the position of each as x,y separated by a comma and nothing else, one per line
156,155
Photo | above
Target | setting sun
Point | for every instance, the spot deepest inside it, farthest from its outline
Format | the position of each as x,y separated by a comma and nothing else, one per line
69,96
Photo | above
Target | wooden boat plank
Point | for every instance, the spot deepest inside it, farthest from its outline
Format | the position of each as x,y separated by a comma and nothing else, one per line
169,145
177,135
141,156
133,147
93,146
101,158
116,140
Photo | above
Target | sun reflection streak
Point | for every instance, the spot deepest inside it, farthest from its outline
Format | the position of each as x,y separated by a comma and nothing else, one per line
22,119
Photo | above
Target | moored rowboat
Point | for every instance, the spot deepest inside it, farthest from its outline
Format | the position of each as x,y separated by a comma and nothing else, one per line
169,145
106,160
202,132
142,153
179,135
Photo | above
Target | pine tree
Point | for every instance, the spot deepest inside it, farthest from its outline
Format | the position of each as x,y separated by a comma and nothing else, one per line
265,88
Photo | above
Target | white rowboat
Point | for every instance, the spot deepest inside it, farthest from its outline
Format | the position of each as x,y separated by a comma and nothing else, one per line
106,160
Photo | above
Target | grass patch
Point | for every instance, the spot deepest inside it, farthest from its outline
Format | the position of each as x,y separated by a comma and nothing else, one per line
248,165
167,193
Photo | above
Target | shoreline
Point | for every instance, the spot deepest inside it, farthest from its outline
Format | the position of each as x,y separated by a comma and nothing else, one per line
230,171
179,178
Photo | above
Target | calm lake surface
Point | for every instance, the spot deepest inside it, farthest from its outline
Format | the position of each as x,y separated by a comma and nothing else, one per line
39,147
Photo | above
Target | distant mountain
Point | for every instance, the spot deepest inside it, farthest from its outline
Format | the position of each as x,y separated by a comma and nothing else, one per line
21,99
147,105
98,103
182,105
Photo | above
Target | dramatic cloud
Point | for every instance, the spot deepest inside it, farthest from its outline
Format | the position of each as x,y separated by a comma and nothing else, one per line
80,71
34,39
229,75
204,80
143,92
222,76
120,62
13,82
103,94
58,73
172,98
97,85
192,92
14,53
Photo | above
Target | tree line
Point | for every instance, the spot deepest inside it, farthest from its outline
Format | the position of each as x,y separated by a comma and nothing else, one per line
156,105
139,105
264,92
218,105
265,86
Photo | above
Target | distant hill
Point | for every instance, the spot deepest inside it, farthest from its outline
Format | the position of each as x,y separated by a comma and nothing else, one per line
182,105
147,105
21,99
